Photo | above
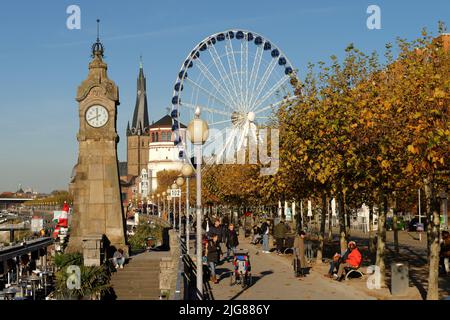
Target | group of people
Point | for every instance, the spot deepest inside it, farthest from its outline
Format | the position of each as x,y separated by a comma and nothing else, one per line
350,259
218,235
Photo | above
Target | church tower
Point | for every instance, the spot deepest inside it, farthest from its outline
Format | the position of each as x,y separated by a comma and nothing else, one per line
138,137
95,184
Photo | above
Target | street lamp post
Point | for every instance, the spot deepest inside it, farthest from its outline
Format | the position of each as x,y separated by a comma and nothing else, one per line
158,210
198,134
187,171
168,206
153,204
179,183
164,201
174,186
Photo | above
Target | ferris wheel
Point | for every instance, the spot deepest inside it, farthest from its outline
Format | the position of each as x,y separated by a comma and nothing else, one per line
237,79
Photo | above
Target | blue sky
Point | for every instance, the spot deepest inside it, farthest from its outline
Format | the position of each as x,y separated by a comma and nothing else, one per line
42,62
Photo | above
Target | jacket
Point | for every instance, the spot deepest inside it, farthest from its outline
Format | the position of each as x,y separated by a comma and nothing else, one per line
445,248
354,258
231,239
213,251
264,228
219,231
280,231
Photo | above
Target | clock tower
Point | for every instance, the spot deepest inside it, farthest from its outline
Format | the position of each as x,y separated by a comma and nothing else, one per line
97,208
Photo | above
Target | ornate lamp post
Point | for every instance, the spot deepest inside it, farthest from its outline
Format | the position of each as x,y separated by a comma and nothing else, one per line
168,206
179,182
198,133
187,171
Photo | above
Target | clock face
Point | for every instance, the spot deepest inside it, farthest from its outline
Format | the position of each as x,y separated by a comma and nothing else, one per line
97,116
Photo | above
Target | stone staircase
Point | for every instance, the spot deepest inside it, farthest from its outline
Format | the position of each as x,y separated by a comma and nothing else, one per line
139,279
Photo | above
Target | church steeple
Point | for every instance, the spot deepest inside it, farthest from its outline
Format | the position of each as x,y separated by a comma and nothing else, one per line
140,121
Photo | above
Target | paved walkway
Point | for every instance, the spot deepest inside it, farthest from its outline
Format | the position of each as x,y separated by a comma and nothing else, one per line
273,279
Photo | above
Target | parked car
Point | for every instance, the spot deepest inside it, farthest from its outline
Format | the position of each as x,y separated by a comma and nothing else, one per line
415,221
401,225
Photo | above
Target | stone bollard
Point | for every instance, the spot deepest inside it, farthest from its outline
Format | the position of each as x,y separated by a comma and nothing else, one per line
92,248
399,279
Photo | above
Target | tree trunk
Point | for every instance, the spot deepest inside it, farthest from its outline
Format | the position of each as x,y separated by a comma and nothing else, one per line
381,243
330,220
322,229
371,246
433,240
342,231
394,226
347,216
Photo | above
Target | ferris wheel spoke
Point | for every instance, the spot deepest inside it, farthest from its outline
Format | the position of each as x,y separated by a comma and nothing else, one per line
219,122
222,72
263,81
273,105
254,74
228,143
209,93
216,83
203,108
244,68
270,92
233,69
243,133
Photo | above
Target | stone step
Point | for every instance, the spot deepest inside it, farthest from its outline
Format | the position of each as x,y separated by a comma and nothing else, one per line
149,266
147,297
135,283
137,269
135,279
141,291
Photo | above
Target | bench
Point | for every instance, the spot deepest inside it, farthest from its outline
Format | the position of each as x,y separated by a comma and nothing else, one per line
349,271
289,244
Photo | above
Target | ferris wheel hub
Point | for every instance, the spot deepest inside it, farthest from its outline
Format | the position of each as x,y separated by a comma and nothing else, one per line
251,116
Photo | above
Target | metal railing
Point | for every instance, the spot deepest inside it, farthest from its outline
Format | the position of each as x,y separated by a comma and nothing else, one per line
190,277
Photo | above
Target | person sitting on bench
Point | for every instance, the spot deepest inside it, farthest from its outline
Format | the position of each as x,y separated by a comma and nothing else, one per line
335,262
352,261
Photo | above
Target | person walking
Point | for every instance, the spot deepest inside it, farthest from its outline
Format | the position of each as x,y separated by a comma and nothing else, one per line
217,230
265,230
231,241
213,253
279,233
445,252
299,253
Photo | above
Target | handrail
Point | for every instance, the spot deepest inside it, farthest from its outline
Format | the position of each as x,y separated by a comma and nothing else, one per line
180,282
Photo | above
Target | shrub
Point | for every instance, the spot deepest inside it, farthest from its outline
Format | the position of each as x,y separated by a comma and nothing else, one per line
143,232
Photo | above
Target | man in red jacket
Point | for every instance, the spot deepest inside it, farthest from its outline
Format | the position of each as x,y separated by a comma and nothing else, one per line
353,260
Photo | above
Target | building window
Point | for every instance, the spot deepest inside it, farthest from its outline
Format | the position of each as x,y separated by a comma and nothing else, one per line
163,136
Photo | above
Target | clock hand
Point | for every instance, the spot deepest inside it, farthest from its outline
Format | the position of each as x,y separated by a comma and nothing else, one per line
96,117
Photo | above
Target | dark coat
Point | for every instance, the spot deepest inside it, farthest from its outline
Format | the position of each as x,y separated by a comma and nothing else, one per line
280,231
264,227
219,231
445,248
231,239
214,251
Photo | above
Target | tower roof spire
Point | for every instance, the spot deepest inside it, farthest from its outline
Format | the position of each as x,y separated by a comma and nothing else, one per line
97,47
140,122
